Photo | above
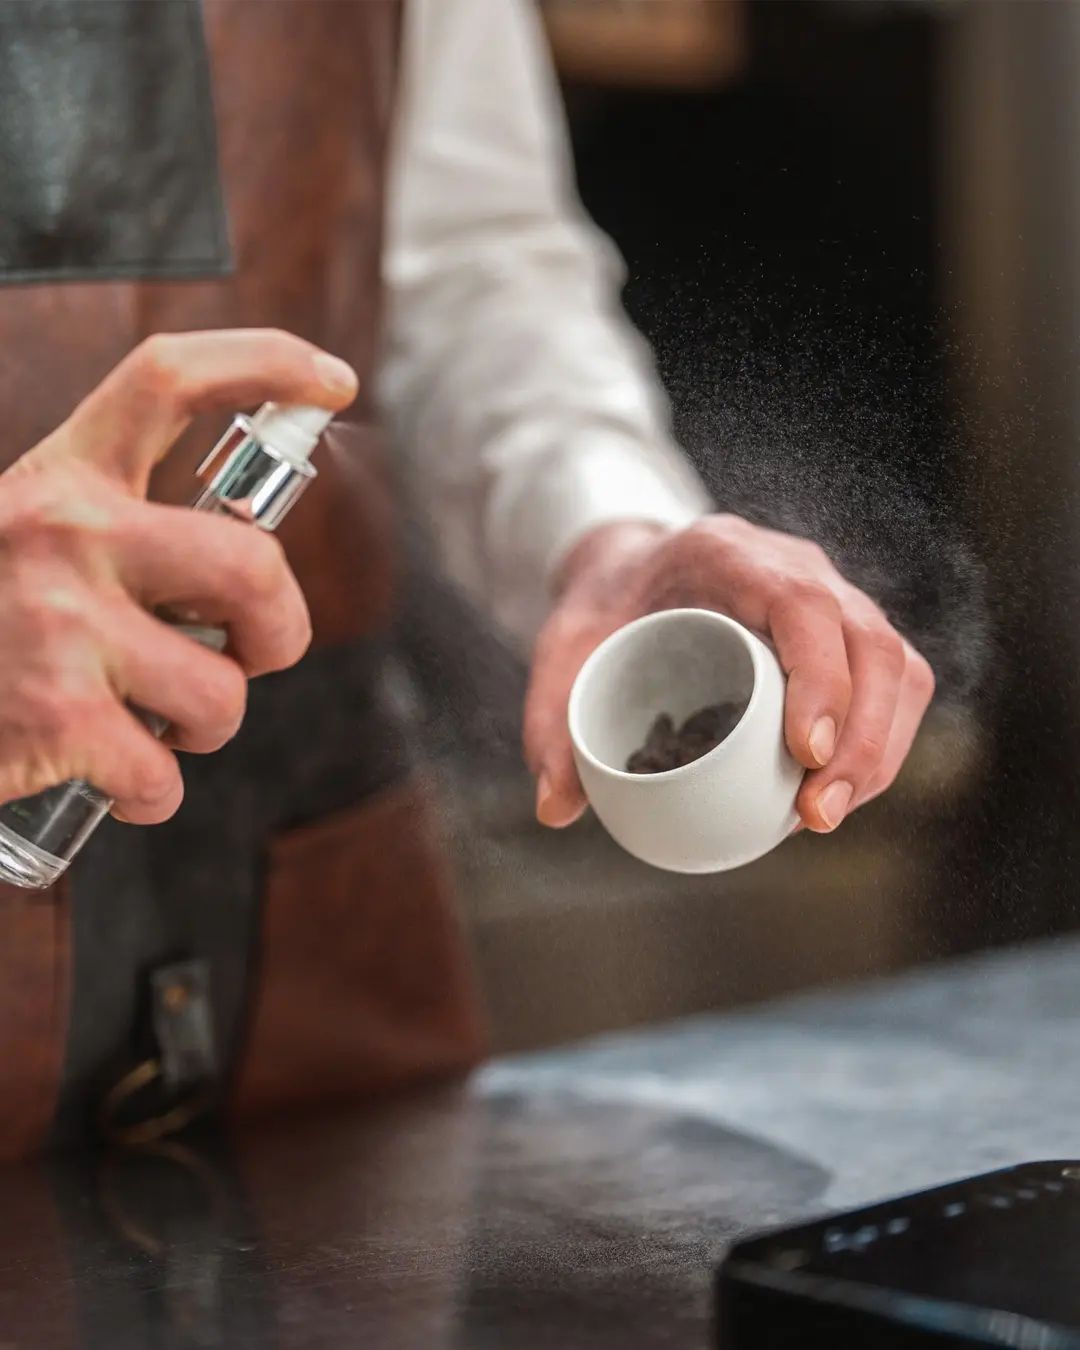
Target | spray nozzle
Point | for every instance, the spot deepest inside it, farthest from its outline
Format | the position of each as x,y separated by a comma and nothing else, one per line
292,429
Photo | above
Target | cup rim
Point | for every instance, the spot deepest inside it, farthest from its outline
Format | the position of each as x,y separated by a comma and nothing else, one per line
661,616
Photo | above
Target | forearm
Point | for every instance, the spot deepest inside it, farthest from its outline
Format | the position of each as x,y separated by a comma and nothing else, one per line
526,404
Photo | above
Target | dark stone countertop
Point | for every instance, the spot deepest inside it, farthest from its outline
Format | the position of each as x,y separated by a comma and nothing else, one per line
578,1198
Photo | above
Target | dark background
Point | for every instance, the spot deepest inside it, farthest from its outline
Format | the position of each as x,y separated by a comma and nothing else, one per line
783,240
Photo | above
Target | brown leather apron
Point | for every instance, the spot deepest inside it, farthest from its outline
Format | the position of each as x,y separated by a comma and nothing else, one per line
303,871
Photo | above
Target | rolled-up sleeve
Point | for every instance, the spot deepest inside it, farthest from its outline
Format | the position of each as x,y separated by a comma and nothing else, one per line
525,404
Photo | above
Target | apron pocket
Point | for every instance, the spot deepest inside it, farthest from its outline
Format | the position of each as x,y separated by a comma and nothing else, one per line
35,938
362,983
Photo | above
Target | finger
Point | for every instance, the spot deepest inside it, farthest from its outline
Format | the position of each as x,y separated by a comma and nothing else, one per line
219,573
200,694
876,659
916,694
561,650
127,764
129,421
806,627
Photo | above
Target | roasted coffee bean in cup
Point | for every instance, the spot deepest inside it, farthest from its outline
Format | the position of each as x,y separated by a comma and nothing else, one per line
667,748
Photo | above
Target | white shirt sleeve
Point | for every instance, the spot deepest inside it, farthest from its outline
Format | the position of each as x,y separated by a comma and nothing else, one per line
526,405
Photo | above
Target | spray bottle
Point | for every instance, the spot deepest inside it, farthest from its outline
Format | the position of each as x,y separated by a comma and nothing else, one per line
255,473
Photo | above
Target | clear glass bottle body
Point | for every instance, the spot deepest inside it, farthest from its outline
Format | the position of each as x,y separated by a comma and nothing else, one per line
40,835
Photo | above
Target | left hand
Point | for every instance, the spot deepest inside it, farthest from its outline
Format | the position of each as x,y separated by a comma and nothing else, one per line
856,693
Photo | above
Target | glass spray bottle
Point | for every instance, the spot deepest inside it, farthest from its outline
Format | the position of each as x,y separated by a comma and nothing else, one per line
255,473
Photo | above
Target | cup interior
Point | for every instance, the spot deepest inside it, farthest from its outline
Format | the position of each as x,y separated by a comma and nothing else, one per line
674,662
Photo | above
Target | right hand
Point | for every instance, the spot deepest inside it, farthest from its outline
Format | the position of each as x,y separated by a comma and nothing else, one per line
85,559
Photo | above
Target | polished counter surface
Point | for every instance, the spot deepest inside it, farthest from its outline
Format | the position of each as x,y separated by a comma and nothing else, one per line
578,1198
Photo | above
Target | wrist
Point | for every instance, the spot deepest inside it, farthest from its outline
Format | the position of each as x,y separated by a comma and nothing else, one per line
607,549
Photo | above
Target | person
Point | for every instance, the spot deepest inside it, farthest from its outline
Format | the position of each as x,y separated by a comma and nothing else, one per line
398,198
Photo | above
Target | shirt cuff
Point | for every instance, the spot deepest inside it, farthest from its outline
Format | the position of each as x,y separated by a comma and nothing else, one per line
539,519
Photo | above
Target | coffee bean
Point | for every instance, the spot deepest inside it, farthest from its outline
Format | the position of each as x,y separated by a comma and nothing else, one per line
662,735
665,748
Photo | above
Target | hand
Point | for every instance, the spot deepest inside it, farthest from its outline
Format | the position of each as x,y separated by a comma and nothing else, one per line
857,691
84,559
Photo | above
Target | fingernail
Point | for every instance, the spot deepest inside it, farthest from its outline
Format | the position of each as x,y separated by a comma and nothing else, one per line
823,740
833,803
544,813
337,375
547,807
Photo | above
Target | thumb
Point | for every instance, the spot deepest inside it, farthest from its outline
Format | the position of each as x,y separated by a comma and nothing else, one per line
559,655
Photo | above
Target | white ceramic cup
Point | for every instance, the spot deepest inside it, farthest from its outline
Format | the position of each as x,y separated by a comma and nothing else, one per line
723,810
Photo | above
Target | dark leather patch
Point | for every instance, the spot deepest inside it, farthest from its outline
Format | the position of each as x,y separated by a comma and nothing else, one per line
184,1024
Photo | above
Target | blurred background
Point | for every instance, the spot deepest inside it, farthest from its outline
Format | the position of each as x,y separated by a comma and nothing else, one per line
850,229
